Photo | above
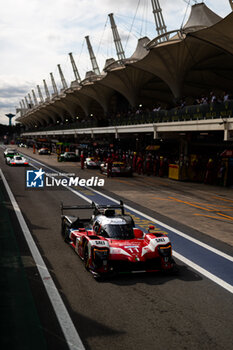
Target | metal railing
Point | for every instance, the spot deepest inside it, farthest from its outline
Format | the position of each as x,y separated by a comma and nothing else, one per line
196,112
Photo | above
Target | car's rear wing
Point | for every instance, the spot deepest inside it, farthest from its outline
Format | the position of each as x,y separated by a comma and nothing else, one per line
96,207
68,207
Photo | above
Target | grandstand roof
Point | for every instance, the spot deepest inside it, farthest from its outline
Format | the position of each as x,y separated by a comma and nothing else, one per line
141,50
219,35
194,61
201,16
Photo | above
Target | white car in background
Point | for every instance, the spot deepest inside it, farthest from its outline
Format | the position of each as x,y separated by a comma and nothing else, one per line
17,160
10,152
92,163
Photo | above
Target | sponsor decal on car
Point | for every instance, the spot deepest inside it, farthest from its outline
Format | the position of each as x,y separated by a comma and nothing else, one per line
100,242
160,240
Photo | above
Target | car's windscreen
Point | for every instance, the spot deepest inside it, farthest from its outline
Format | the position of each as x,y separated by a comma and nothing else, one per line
119,231
18,158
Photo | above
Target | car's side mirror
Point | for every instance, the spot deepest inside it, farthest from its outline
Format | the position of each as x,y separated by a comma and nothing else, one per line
138,233
151,228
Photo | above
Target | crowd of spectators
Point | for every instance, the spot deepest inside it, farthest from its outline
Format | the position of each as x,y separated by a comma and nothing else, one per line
206,99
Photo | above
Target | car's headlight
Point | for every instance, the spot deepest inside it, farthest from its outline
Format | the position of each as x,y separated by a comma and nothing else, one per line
100,253
165,250
100,256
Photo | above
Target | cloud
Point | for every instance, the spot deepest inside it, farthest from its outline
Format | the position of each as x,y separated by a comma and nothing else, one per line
36,35
14,91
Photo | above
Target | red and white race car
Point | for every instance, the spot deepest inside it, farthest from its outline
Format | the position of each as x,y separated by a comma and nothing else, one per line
110,243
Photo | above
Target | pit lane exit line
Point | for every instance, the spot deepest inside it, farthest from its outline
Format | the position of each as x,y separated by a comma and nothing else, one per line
70,333
217,268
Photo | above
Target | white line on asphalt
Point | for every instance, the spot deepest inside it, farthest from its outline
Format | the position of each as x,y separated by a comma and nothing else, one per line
196,267
72,337
204,272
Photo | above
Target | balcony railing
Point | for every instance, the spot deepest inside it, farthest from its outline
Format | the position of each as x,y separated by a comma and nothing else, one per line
196,112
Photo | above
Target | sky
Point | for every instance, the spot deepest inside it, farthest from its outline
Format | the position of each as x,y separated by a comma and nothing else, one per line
37,35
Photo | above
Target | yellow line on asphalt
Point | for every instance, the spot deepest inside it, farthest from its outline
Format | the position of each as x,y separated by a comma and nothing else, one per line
154,181
227,216
124,182
214,217
219,206
163,199
223,199
216,205
231,209
192,205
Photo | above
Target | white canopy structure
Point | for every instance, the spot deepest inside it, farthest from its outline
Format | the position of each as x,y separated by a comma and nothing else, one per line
191,61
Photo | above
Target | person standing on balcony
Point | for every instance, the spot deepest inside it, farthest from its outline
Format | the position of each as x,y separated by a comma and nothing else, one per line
225,96
213,98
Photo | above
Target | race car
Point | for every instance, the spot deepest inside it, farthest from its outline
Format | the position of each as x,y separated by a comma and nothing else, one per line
10,152
109,243
68,157
118,169
92,163
44,150
16,160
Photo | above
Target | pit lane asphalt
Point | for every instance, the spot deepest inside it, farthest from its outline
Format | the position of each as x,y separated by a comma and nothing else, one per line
127,312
